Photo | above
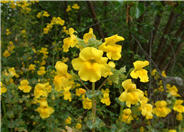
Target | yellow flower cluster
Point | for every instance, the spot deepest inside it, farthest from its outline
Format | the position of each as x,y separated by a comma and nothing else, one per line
63,80
74,6
9,49
42,90
161,109
3,88
86,102
42,13
172,90
54,21
24,86
44,110
126,116
32,67
41,71
146,109
178,107
80,91
105,99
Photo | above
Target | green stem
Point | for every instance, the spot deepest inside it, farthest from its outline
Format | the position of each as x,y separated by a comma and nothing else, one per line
4,114
93,106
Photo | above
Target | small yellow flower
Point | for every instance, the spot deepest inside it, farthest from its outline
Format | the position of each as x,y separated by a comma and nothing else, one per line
105,99
139,71
91,64
6,53
131,95
67,94
178,106
41,71
87,103
76,6
3,88
68,120
80,91
89,35
32,67
42,89
46,14
78,126
12,72
24,86
126,116
173,90
172,130
164,74
179,117
161,109
8,32
68,8
146,110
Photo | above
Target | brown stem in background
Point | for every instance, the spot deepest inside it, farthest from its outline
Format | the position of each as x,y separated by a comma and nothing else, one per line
92,10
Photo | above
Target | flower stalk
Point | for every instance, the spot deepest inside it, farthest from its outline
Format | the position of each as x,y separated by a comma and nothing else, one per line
93,106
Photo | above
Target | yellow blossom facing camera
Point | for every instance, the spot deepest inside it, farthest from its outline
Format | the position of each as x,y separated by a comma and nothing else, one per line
161,109
76,6
89,35
42,89
68,120
172,90
32,67
24,86
91,64
3,88
178,106
111,48
78,126
126,116
41,71
131,95
6,53
105,99
139,72
147,110
80,91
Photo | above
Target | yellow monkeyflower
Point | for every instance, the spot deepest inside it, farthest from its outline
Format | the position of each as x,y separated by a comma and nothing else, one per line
146,110
161,109
3,88
87,103
76,6
68,120
67,94
44,110
78,126
113,50
41,71
164,74
139,71
173,90
105,99
42,89
32,67
62,69
8,32
68,8
179,117
178,106
6,53
126,116
172,130
24,86
131,95
44,51
80,91
91,64
89,35
70,41
46,14
12,72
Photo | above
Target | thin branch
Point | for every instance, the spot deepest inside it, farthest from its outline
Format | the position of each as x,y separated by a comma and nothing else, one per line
84,84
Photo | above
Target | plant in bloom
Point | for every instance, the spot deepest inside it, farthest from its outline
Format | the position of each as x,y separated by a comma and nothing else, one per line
68,120
161,109
131,95
80,91
75,6
126,116
91,64
111,48
42,90
86,102
139,72
3,88
32,67
41,71
178,107
105,99
24,86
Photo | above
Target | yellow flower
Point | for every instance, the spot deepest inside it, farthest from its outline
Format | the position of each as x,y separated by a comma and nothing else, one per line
65,30
44,51
45,111
32,67
126,116
179,117
8,32
62,69
91,64
87,103
146,110
178,106
173,90
6,53
3,88
70,41
88,36
12,72
105,99
113,50
76,6
23,31
78,126
172,130
80,91
131,95
41,71
24,86
58,21
46,14
68,8
42,89
68,120
161,109
39,14
153,73
164,74
67,94
43,62
139,71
